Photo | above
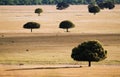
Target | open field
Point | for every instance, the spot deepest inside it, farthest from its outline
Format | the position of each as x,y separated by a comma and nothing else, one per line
13,18
23,51
51,48
34,71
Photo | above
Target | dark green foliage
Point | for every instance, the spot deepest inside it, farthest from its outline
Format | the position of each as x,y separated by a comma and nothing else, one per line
101,5
66,25
109,5
37,2
89,51
93,9
38,11
31,25
62,5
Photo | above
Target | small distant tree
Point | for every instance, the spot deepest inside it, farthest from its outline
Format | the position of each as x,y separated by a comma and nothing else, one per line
93,9
89,51
66,25
38,11
62,5
31,25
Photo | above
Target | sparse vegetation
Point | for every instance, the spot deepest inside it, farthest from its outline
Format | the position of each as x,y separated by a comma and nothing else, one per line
31,25
89,51
2,36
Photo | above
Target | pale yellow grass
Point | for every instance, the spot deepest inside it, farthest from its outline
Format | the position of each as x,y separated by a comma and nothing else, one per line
50,46
38,48
30,71
12,19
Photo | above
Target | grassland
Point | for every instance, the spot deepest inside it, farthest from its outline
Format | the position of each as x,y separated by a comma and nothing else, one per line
13,18
52,49
50,46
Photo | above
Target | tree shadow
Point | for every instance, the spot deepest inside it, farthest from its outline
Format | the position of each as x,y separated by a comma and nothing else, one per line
37,68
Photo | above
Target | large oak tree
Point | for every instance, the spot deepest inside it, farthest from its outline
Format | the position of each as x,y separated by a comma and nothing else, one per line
89,51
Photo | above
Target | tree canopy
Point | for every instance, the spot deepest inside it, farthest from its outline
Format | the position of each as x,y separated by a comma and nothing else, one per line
38,11
51,2
89,51
107,5
62,5
93,9
31,25
66,25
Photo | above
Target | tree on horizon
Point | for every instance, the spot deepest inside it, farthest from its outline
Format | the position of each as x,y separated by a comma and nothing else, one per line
50,2
62,5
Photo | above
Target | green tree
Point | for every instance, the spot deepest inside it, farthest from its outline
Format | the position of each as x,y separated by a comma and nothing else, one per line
36,2
89,51
109,5
5,2
31,25
66,25
10,2
16,2
38,11
62,5
93,9
106,4
45,1
101,5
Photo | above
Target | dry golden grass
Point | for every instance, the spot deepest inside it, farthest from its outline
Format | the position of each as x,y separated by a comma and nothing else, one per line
51,46
29,71
12,19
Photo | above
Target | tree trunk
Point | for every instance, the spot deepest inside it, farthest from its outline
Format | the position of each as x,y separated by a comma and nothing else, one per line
31,29
38,14
67,30
89,64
